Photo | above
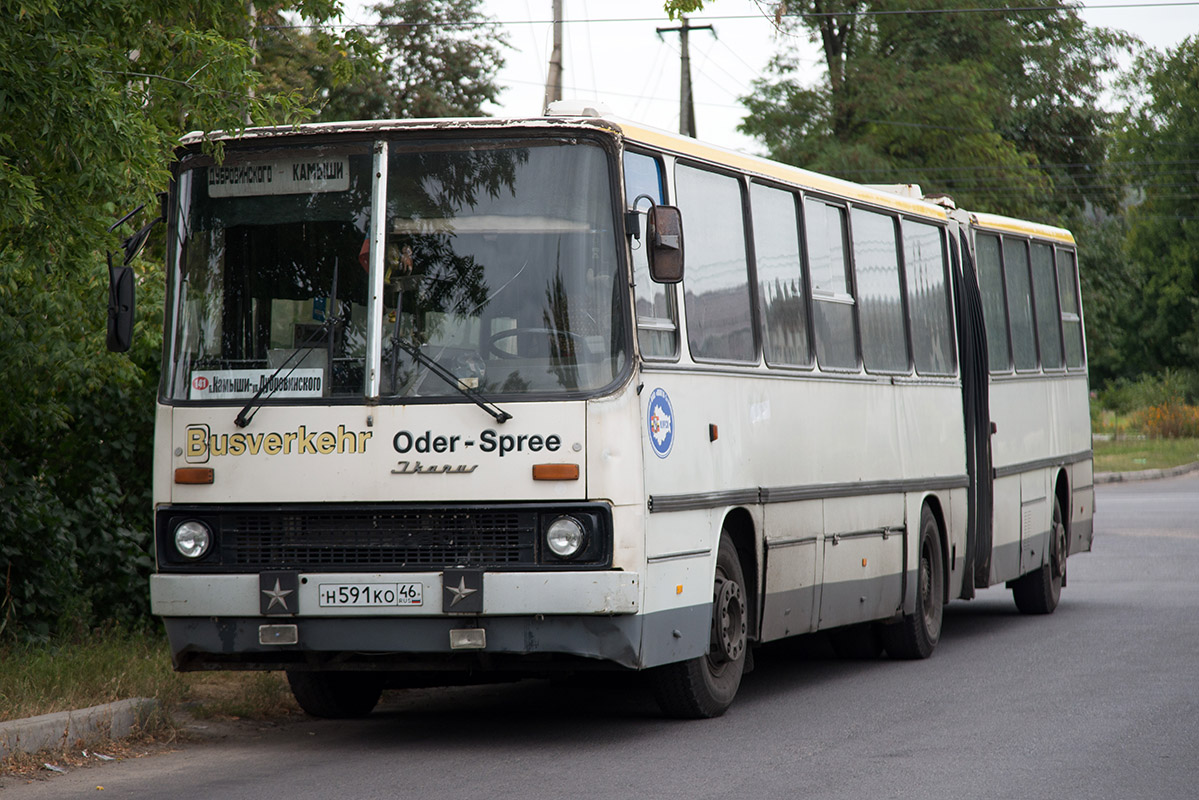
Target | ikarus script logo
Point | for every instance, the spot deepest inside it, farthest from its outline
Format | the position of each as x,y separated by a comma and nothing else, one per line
660,418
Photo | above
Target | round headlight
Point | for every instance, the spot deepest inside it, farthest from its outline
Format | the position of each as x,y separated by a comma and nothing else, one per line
192,538
565,537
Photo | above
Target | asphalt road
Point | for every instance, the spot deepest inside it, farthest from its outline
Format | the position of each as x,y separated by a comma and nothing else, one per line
1099,700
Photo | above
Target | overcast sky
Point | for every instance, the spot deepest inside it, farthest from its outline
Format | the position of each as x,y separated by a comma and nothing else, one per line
612,54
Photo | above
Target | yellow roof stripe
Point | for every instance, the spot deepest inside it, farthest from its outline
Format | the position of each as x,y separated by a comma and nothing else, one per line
994,222
782,172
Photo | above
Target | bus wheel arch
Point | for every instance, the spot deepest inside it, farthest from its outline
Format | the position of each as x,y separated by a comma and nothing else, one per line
739,526
933,503
1064,498
704,687
1040,591
915,635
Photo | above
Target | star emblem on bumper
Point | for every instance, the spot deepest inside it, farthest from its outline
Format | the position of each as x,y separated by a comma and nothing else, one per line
460,592
277,595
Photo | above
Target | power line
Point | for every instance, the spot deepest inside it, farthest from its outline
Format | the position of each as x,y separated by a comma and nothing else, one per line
1016,167
731,17
598,93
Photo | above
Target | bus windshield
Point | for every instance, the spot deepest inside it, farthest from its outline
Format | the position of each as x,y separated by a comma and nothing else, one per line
499,263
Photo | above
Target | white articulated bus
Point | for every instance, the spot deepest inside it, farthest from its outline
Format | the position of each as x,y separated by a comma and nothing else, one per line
456,398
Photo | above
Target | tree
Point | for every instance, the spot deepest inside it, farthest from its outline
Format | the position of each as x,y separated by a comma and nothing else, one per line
424,58
1112,285
996,109
93,98
1159,147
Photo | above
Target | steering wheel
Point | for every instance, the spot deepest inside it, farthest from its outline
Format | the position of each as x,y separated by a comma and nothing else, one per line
548,333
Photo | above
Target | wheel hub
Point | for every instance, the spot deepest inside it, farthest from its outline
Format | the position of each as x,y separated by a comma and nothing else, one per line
729,626
1057,559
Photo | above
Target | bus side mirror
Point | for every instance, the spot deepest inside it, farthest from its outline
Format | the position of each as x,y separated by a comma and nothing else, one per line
664,236
120,307
120,279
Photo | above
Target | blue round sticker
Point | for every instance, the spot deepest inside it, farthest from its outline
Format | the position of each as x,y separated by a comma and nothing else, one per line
661,423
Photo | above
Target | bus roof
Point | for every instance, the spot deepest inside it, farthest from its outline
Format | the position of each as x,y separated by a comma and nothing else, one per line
995,222
686,146
390,125
633,132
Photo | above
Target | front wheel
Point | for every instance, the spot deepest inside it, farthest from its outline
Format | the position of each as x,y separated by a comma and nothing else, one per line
1039,592
916,635
336,695
704,687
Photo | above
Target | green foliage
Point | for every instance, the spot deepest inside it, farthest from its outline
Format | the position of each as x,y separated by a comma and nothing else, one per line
985,107
676,8
1146,391
427,58
108,664
94,95
1159,146
1111,284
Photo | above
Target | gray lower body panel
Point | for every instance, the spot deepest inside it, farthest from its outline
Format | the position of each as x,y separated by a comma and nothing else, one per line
512,642
1081,536
850,602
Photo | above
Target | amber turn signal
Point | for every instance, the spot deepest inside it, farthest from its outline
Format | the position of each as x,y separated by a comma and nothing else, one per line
194,475
555,472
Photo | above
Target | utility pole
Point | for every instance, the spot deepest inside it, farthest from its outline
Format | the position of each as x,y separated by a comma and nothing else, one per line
686,103
553,83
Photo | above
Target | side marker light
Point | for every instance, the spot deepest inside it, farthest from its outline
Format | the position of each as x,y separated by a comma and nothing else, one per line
555,472
194,475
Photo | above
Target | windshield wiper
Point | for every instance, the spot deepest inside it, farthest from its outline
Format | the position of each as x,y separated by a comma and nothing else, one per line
413,349
252,406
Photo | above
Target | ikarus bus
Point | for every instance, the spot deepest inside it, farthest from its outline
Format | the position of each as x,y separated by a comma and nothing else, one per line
451,399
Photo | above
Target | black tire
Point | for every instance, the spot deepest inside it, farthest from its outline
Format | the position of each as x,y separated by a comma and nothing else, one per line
1039,592
856,642
336,695
916,635
704,687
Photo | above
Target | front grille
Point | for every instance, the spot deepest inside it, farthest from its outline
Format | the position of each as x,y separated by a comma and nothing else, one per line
381,538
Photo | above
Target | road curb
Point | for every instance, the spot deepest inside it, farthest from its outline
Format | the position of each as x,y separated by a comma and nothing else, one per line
1145,474
65,728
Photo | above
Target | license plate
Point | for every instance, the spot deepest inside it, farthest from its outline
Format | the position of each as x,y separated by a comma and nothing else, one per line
368,595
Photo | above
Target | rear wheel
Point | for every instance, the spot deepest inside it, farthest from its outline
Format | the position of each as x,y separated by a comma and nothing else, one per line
917,634
704,687
336,695
1039,592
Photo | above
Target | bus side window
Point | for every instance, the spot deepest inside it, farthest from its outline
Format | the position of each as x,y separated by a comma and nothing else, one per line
781,289
928,298
716,285
657,326
832,298
990,283
1049,318
879,294
1019,304
1067,285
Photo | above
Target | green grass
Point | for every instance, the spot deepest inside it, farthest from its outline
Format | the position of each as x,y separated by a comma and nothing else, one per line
115,665
101,668
1128,455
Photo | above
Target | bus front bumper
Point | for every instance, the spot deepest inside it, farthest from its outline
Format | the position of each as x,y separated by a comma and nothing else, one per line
218,622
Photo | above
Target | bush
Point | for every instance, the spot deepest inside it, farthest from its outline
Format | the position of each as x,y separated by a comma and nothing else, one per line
1169,421
1171,386
76,451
